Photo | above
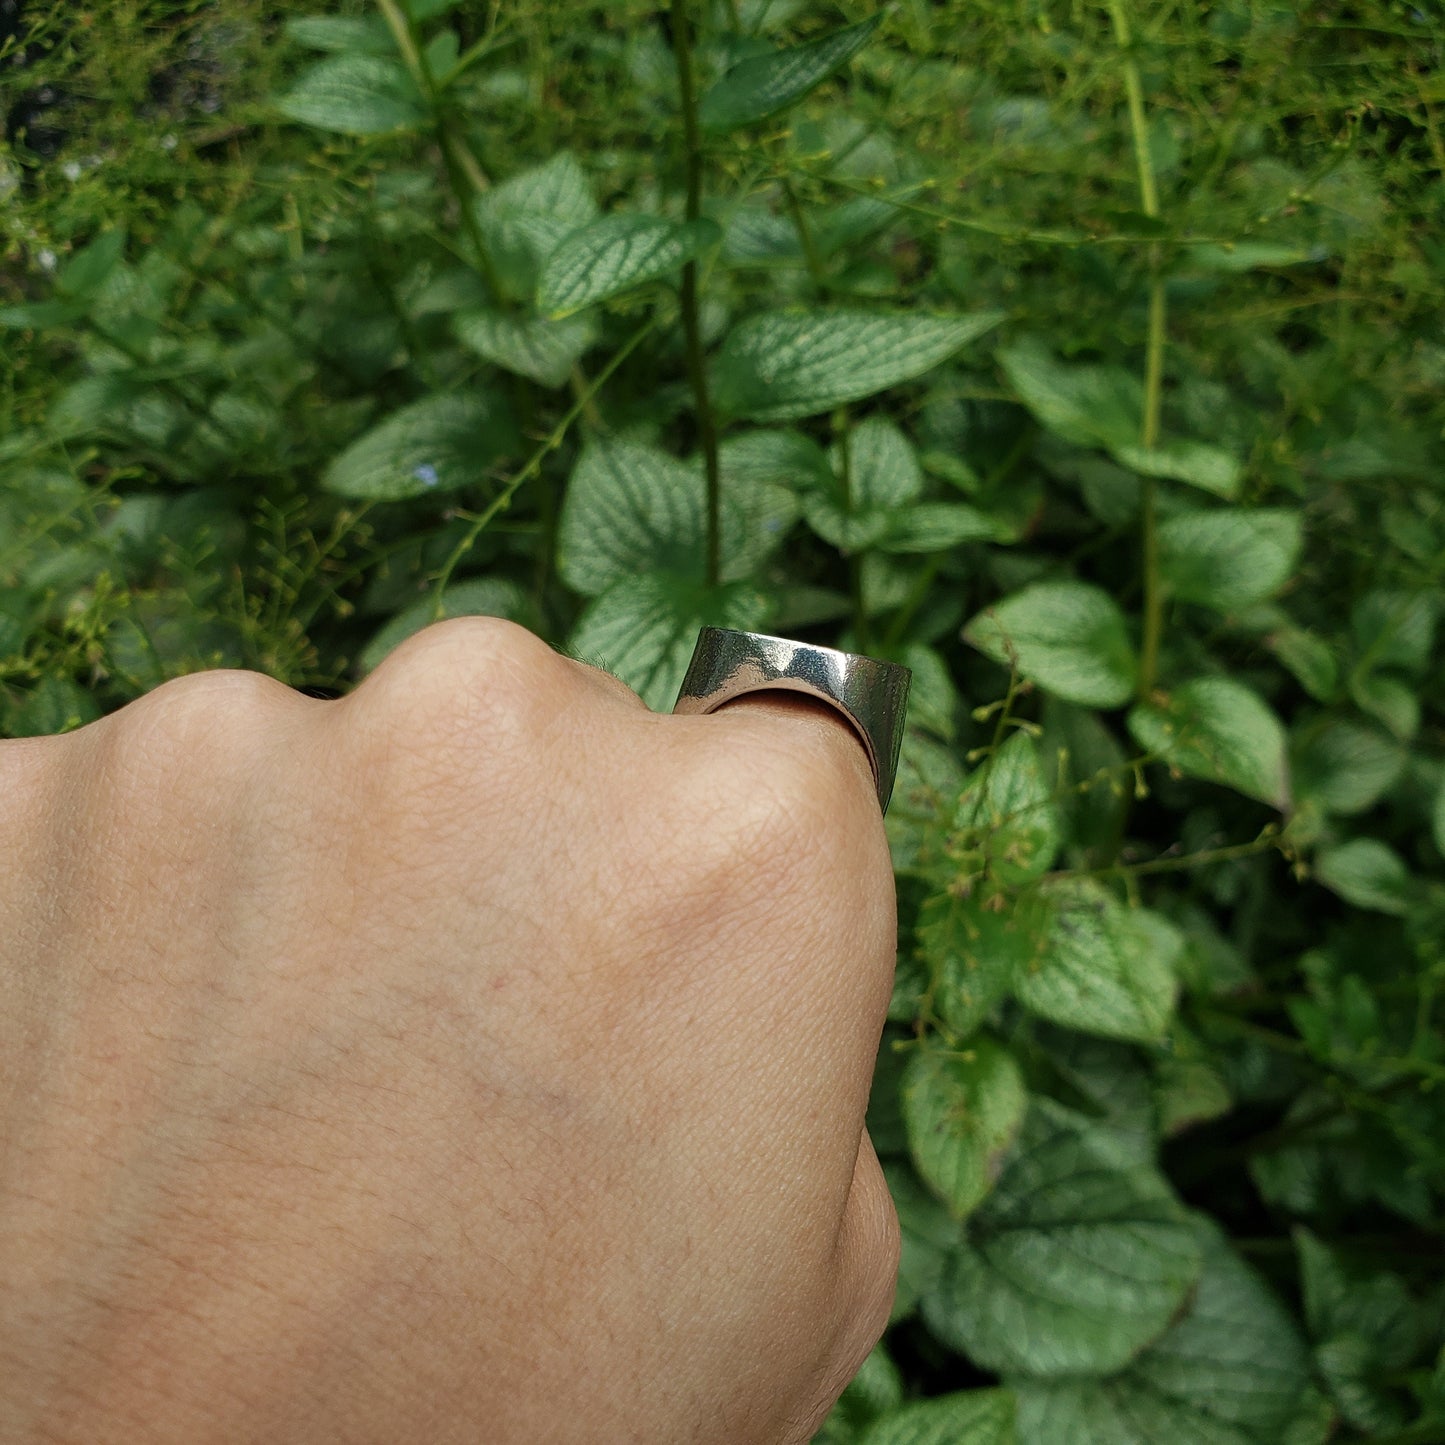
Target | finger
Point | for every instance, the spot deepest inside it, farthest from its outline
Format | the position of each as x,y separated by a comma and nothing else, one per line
795,722
778,800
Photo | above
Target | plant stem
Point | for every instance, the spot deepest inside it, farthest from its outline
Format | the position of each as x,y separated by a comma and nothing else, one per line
805,238
464,175
855,558
1153,358
691,313
550,443
1183,862
1149,491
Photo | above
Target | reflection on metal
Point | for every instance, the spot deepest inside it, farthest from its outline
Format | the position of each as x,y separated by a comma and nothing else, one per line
871,695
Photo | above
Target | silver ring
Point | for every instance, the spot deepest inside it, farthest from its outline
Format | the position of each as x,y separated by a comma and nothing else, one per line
871,695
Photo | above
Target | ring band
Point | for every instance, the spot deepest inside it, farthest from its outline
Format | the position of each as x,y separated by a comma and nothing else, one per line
871,695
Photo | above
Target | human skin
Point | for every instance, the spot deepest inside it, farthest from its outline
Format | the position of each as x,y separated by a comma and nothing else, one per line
480,1057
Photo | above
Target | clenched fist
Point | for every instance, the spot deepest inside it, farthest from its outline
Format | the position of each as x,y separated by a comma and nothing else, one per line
481,1057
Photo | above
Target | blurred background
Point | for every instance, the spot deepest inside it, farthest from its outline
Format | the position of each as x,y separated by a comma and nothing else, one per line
1086,357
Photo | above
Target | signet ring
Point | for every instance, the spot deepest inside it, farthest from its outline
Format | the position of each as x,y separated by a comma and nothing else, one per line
871,696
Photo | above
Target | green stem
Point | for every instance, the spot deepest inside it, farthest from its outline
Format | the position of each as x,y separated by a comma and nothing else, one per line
917,596
1153,630
465,177
1182,863
805,237
550,443
691,310
1149,491
855,558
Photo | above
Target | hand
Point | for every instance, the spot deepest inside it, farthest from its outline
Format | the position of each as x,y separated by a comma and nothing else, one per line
481,1057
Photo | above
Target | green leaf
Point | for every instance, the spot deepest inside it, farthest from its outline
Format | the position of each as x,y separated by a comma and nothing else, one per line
1188,1092
1086,405
423,10
1344,767
976,951
941,526
1308,658
355,95
441,54
1008,808
970,1417
643,629
1437,818
1077,1261
476,597
1345,1367
1108,969
882,474
615,254
929,1233
1390,700
929,777
89,269
632,509
55,704
1395,628
1068,637
1080,750
1377,1307
39,315
963,1110
1247,255
528,215
773,456
1113,1087
1217,729
557,189
1367,874
1103,406
85,406
542,350
933,700
763,85
1210,468
875,1390
343,33
1228,559
1232,1371
783,364
1314,1421
434,446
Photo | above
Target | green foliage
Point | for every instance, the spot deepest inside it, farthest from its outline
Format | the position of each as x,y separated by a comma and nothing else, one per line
962,1112
785,364
441,443
762,85
1216,728
1086,360
1070,638
355,95
1077,1260
616,254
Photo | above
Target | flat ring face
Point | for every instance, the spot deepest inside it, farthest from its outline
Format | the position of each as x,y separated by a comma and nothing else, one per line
872,696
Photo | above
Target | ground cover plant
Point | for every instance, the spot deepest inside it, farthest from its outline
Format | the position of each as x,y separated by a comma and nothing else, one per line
1085,357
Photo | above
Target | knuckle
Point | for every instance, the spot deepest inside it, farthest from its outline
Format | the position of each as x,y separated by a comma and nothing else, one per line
203,718
760,835
791,814
175,762
458,676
